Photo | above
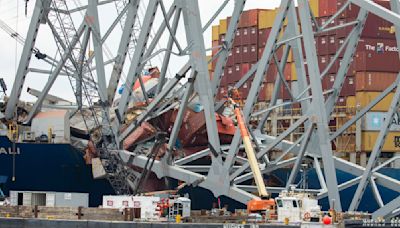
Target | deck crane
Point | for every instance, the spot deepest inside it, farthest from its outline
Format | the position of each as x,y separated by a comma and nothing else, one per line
14,34
256,205
121,178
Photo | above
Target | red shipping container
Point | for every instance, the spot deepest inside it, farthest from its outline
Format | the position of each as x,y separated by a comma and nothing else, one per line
374,81
332,44
263,35
245,53
373,62
263,93
237,54
349,87
230,75
271,73
244,69
230,60
324,8
375,27
215,47
249,18
238,37
341,101
323,61
352,10
322,45
284,93
253,55
327,82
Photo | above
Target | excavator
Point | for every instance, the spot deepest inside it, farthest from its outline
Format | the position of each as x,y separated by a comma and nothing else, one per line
264,204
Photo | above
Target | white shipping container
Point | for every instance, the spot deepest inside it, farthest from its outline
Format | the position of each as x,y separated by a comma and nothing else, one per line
49,199
147,204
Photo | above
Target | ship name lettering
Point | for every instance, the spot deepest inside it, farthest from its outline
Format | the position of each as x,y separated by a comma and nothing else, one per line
8,150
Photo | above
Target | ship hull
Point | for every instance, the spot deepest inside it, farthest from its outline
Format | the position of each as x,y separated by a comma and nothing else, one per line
61,168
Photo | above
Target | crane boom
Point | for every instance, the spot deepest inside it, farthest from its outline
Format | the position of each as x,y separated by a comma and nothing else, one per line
21,40
251,157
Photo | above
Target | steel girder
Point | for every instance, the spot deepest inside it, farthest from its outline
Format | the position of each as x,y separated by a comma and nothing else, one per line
226,177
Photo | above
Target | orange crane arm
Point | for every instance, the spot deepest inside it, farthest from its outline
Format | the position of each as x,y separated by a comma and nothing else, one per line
251,157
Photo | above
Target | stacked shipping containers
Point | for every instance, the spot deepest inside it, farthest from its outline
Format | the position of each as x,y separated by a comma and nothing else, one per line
374,67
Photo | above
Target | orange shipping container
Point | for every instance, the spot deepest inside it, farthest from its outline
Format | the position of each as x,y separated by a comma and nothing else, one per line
268,90
266,18
374,81
351,101
314,6
223,26
248,18
215,33
392,142
364,98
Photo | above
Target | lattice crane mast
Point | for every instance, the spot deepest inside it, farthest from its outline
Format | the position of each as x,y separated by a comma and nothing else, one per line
121,178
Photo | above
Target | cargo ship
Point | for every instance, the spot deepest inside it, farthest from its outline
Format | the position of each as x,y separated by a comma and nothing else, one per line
62,168
60,165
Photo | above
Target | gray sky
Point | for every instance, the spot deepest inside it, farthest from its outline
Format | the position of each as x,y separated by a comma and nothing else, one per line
12,13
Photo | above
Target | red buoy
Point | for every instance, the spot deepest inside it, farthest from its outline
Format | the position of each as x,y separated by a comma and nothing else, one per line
327,220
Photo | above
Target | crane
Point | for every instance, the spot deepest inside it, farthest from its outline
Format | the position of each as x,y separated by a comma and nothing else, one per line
14,34
256,205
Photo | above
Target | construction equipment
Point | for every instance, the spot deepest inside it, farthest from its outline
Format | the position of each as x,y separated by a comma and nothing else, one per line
255,205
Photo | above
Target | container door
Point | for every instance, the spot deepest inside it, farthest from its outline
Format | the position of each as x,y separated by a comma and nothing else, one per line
14,198
27,199
50,200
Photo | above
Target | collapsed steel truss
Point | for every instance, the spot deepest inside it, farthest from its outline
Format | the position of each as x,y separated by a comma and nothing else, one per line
228,171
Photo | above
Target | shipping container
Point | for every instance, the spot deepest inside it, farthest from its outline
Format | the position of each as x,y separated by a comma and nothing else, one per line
215,47
365,61
322,20
271,73
237,53
364,98
237,41
323,8
223,26
269,89
284,93
147,204
263,93
266,18
374,81
249,18
323,62
322,45
49,199
293,71
375,27
341,102
249,36
392,142
351,101
263,35
349,87
373,121
215,32
314,6
230,60
210,68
